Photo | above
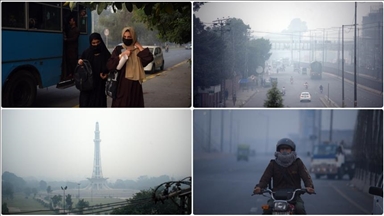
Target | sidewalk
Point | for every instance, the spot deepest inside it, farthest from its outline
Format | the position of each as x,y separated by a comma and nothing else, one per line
170,88
242,97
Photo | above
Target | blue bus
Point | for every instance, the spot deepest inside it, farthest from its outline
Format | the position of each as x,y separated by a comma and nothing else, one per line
33,47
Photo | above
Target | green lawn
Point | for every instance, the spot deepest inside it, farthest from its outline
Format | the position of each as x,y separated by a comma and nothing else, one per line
19,202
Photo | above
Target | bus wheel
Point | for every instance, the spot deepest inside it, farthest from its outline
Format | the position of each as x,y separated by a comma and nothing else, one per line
20,90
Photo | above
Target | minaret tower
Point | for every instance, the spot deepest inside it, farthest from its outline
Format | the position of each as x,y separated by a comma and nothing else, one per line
97,180
97,173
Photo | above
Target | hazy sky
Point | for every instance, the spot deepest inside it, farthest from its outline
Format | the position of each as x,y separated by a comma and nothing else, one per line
57,144
276,16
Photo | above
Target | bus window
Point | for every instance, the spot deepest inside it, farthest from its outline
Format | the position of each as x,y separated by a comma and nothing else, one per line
13,15
44,17
82,19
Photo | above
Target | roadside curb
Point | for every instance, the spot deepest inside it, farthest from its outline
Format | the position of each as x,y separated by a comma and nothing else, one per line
246,100
328,102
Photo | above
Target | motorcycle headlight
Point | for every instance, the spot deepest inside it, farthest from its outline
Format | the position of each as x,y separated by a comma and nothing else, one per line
280,206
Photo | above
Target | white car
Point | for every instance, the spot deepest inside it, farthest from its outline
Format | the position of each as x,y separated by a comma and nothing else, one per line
377,193
158,59
305,96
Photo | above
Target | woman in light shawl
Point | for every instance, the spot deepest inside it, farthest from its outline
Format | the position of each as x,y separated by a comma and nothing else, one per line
131,75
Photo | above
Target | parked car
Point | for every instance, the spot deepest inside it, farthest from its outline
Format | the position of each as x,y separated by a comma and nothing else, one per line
188,46
158,59
305,96
377,193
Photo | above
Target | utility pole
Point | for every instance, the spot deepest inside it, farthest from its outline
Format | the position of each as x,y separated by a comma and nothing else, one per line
342,67
338,55
209,131
222,131
355,104
230,130
299,46
221,23
323,44
330,128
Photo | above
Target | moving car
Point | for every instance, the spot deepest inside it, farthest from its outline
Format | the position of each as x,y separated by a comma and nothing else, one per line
158,59
303,70
305,96
377,193
188,46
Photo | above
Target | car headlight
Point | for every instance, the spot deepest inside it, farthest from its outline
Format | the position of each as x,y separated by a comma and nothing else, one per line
280,206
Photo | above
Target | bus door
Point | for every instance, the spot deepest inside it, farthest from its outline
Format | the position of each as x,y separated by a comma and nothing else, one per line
82,18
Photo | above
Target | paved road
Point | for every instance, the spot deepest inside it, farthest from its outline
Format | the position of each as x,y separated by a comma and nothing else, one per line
224,186
332,90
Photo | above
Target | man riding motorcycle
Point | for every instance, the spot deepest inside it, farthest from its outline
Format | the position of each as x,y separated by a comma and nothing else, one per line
306,85
286,171
321,88
283,90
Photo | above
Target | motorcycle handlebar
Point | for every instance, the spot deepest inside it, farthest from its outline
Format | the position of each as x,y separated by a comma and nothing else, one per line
299,190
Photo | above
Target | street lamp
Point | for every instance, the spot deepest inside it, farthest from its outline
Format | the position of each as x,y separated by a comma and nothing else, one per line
78,191
65,188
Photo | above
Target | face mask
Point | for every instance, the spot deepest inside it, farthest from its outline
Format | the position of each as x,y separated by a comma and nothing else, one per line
127,42
97,48
285,153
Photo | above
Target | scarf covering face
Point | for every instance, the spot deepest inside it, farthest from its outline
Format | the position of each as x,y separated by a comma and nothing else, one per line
285,159
134,69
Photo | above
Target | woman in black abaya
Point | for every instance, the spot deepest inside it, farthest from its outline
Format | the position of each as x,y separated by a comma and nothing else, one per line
97,54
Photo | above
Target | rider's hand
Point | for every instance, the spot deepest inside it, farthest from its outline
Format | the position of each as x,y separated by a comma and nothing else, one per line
310,190
257,190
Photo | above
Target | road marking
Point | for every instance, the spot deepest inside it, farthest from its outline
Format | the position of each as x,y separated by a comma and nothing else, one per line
348,199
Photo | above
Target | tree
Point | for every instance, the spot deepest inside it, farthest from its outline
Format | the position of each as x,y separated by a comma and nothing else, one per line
4,208
259,52
297,25
297,28
17,182
81,204
141,203
208,52
49,190
274,97
27,191
56,199
7,190
42,185
68,201
235,36
34,191
172,20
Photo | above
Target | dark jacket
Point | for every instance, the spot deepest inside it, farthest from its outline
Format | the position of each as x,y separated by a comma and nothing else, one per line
286,177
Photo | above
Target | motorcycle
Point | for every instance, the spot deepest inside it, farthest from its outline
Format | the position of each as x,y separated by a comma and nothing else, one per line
282,200
306,86
291,82
283,92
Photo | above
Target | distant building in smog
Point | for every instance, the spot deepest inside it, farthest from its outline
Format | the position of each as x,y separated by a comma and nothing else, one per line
370,43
